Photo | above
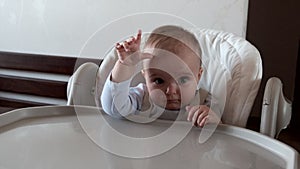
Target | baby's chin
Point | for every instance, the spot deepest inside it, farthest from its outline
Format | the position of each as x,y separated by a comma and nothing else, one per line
172,107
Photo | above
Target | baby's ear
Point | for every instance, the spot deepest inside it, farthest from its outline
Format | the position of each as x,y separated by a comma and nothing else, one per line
200,73
146,56
143,72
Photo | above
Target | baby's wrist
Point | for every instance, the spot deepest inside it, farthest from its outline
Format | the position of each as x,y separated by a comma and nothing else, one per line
125,64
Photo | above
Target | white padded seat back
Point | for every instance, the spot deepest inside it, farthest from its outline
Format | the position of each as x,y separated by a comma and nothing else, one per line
231,60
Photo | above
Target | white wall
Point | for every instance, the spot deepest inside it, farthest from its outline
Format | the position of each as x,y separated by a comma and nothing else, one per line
91,27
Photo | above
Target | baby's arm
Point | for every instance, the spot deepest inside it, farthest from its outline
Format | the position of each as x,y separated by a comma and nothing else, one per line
116,97
201,115
129,55
119,100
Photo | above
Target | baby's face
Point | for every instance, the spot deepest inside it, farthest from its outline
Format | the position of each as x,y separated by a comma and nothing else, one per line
172,79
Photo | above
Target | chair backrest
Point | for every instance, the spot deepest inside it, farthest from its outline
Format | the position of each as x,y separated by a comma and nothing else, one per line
227,59
233,61
276,109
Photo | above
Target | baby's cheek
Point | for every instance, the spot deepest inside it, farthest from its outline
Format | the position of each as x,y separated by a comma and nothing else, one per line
187,96
158,97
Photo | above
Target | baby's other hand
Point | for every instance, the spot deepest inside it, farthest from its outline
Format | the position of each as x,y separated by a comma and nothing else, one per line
200,115
129,51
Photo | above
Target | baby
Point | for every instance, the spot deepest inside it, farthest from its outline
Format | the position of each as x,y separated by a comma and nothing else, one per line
171,68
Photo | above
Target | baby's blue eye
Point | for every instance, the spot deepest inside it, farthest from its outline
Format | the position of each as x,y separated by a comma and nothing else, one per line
158,81
183,80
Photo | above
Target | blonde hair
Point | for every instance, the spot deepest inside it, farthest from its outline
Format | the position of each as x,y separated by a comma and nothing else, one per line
175,37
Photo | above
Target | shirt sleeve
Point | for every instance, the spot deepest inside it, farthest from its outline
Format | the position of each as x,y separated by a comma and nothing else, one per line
119,99
214,104
208,100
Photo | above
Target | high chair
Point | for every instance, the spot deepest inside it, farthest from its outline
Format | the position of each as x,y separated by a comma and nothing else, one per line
232,74
276,109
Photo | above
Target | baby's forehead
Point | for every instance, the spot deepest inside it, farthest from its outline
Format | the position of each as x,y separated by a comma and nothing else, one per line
166,57
167,74
175,44
175,48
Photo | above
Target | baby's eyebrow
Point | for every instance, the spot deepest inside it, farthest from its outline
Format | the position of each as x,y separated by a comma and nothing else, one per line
183,73
151,74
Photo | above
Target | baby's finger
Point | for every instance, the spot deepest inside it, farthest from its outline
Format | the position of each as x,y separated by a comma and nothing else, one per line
203,121
139,36
118,45
202,116
132,45
126,46
120,48
131,40
196,116
191,110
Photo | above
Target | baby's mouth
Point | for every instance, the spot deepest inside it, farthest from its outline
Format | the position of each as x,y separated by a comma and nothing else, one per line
177,101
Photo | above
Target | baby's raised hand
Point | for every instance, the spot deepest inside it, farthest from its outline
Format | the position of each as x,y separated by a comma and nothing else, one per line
201,114
129,51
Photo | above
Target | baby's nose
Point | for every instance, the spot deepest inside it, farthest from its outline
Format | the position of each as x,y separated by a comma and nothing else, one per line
172,88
